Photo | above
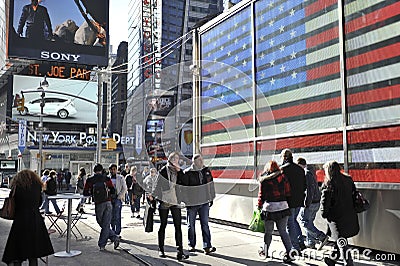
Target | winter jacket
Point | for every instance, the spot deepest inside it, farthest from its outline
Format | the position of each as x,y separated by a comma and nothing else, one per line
164,184
88,190
28,236
198,186
274,188
313,194
337,207
297,180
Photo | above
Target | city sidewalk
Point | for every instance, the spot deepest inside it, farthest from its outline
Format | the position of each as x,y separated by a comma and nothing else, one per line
235,246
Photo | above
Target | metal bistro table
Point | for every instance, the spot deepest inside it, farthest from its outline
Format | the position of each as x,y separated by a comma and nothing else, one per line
68,252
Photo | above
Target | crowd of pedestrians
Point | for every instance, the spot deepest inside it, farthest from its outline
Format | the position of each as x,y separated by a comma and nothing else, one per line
288,192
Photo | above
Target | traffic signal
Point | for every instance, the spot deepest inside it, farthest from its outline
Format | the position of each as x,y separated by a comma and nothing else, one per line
111,144
21,104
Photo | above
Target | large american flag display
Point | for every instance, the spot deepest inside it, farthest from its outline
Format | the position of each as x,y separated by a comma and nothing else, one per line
291,51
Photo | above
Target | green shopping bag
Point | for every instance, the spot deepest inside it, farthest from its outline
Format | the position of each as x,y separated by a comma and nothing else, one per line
257,223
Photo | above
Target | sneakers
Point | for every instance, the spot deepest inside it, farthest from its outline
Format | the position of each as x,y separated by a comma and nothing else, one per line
181,256
117,240
287,258
209,250
138,216
323,242
191,249
161,253
262,254
102,248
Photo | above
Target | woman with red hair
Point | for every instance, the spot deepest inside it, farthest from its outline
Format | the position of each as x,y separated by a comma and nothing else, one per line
272,199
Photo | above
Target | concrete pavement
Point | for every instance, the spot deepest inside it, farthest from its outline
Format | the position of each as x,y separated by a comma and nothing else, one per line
235,246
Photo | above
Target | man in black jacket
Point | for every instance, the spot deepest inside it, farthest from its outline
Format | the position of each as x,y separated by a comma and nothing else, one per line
103,208
297,179
37,21
198,197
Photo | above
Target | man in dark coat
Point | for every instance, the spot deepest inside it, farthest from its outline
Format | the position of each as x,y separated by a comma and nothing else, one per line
198,197
103,209
297,179
37,21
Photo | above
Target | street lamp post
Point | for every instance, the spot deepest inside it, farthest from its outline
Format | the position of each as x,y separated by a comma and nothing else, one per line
43,85
155,143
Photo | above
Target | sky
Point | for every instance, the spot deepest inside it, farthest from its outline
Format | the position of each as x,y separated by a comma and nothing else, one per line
118,22
118,16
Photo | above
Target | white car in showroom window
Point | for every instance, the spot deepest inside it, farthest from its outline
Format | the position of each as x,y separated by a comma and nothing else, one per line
62,108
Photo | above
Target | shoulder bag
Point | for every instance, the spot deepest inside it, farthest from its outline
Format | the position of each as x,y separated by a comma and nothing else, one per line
360,203
8,210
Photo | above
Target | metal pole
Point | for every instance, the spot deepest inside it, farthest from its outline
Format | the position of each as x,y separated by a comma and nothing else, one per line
42,103
99,114
196,92
155,143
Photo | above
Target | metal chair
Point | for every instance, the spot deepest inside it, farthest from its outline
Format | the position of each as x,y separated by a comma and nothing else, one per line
53,218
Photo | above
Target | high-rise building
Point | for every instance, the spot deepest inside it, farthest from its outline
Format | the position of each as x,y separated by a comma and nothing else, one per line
118,88
160,37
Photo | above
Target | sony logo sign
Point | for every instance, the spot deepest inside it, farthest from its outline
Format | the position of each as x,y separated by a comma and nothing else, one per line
59,56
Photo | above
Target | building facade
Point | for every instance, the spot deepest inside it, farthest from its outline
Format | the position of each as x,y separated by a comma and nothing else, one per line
159,57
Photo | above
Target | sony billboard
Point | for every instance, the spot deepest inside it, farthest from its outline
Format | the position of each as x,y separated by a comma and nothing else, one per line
69,31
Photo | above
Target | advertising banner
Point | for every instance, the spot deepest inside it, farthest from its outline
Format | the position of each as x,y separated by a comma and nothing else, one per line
58,108
22,135
70,31
161,105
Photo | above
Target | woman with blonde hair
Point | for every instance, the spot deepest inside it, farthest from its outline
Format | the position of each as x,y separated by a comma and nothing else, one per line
272,199
28,238
337,207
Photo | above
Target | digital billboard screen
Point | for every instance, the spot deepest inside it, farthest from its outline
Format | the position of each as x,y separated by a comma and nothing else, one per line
58,108
70,31
155,125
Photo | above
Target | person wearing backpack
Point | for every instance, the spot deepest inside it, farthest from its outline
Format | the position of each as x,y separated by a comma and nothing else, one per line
51,190
119,197
100,187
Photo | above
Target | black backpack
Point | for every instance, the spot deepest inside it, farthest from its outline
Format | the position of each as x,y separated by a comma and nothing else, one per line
129,181
51,187
101,192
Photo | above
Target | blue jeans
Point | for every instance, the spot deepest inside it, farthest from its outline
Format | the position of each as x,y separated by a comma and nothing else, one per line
45,204
307,217
203,211
293,228
281,225
116,216
103,217
136,204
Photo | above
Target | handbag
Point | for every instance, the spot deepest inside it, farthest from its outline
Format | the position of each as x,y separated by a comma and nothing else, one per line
8,210
360,203
257,223
148,219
